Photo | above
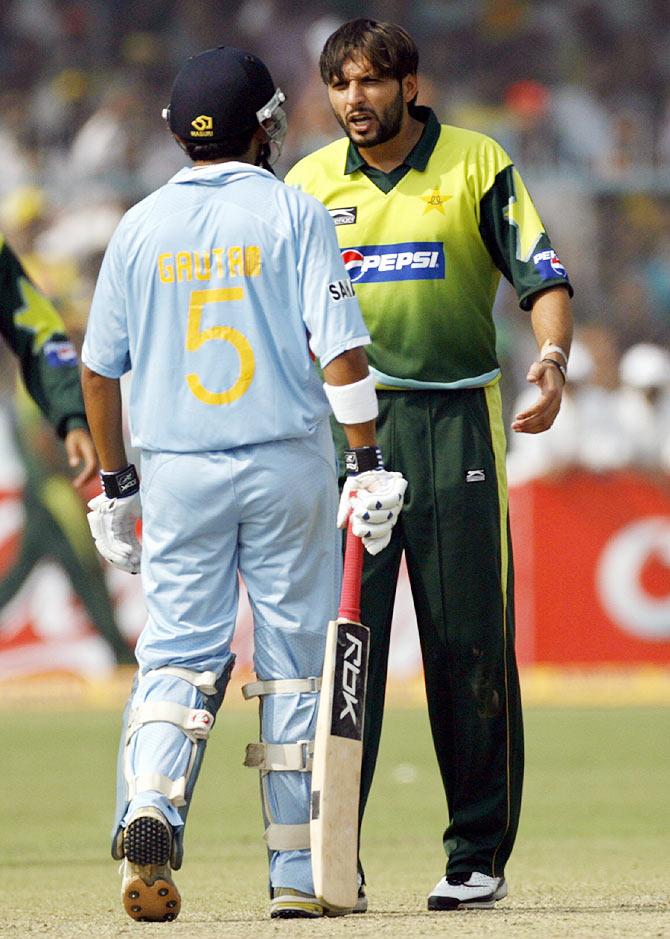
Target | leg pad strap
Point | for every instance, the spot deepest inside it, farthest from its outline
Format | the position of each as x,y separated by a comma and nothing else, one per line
195,722
172,789
256,689
203,681
287,837
280,757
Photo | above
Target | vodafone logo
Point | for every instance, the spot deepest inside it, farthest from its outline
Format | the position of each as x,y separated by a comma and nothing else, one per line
633,578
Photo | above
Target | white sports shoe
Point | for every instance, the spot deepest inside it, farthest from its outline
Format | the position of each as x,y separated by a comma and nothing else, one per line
473,891
362,901
147,889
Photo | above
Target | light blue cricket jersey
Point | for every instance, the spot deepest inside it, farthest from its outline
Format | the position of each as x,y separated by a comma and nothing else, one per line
213,290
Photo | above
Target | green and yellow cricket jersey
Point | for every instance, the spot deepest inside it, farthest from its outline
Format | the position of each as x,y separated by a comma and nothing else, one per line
425,246
34,331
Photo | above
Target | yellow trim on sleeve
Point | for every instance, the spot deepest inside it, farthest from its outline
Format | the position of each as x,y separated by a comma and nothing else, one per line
38,314
494,405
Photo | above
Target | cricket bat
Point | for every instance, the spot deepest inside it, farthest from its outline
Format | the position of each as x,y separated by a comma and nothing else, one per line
338,744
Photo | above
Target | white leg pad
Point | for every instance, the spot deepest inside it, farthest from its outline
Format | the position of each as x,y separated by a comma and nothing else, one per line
283,758
173,715
194,723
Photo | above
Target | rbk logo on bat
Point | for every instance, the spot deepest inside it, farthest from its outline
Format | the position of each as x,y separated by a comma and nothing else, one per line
351,660
412,260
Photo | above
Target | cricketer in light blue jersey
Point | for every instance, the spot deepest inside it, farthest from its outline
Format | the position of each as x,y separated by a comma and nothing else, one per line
206,320
218,292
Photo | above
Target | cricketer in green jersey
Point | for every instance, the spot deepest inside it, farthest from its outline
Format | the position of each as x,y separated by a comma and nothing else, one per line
428,218
54,525
34,331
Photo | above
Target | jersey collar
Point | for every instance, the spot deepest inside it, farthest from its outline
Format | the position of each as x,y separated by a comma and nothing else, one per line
216,171
418,156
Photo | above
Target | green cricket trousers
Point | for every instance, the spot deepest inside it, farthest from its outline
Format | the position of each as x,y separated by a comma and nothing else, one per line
450,445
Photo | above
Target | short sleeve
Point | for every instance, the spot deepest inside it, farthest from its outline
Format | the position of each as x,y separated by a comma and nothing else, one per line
330,309
515,237
106,344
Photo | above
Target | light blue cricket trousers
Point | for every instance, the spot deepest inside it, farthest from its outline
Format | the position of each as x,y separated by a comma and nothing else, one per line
269,512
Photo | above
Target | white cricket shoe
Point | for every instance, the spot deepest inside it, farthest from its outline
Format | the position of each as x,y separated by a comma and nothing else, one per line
362,900
473,891
148,892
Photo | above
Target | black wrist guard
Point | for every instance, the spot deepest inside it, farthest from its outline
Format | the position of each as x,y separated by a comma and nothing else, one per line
362,459
121,483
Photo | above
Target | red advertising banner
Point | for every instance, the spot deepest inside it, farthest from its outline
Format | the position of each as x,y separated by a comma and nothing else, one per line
592,563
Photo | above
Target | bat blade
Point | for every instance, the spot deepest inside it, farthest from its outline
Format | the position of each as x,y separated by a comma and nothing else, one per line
338,746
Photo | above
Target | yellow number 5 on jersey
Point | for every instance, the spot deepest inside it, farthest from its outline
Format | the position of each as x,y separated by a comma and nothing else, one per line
196,337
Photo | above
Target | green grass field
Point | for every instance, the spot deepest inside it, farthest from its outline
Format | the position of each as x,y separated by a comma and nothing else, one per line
591,858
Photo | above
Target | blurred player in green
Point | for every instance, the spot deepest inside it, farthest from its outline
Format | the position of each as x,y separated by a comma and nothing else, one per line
55,522
428,217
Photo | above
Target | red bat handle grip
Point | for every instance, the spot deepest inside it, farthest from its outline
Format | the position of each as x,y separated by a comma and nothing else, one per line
350,600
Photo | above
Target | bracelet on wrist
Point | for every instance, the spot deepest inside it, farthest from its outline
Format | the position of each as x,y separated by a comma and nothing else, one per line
120,483
557,365
549,346
362,460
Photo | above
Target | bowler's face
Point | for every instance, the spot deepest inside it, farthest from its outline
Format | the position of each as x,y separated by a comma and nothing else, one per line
370,109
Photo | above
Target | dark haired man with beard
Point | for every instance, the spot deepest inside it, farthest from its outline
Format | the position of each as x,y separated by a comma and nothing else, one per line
428,217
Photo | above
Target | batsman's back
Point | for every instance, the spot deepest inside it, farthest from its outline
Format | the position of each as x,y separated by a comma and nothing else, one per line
213,289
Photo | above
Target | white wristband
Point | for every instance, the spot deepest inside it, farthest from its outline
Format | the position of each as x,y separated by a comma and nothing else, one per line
354,403
552,347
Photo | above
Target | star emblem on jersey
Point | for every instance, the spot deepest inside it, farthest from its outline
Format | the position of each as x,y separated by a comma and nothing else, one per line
434,200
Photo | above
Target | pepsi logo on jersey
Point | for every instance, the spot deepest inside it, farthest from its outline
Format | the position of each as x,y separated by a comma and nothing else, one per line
414,260
549,264
60,353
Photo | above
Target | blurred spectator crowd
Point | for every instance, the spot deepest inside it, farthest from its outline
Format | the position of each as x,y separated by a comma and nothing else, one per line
615,414
578,92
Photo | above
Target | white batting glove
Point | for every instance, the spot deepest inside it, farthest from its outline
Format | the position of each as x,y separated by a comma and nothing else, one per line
374,500
112,524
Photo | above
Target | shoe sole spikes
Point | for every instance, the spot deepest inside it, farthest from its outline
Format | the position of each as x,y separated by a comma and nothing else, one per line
149,894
